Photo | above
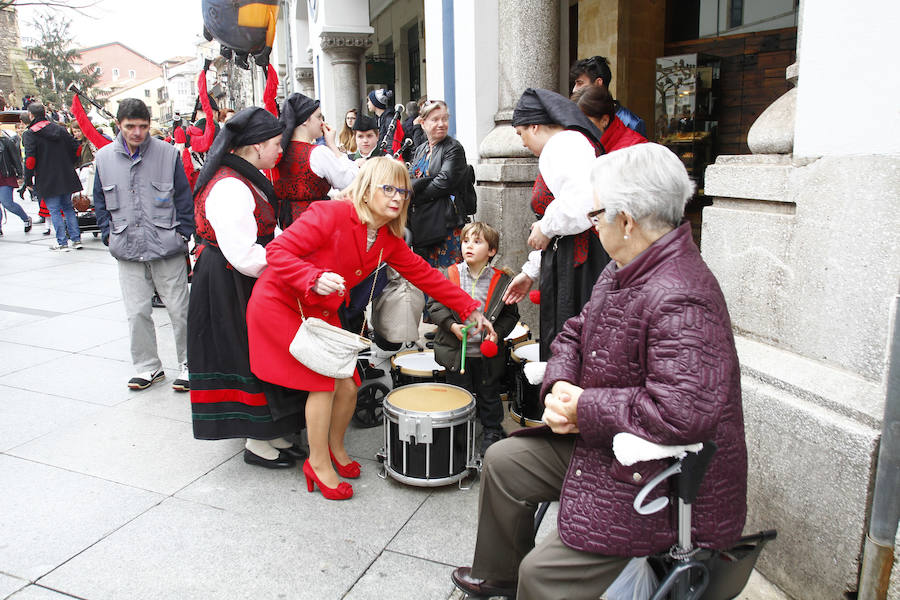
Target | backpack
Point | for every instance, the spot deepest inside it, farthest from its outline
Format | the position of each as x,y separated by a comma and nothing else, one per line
466,198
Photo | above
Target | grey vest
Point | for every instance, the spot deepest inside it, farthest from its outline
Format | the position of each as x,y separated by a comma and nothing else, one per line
139,197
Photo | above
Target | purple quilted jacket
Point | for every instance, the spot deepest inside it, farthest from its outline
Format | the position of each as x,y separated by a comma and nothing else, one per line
654,352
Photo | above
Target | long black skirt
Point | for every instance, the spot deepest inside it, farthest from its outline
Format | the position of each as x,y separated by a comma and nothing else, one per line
227,400
565,288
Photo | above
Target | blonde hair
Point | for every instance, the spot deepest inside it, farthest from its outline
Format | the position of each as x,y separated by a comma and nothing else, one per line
485,231
429,106
376,172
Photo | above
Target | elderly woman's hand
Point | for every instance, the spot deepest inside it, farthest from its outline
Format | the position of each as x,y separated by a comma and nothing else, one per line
329,283
480,322
517,289
537,239
561,407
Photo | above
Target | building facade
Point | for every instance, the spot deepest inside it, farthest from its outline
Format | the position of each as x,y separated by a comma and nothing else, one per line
797,217
118,65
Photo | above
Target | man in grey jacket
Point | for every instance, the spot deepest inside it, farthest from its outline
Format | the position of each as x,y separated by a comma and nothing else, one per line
146,215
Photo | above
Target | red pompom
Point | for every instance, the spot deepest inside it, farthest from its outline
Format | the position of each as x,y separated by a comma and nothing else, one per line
30,162
488,349
535,296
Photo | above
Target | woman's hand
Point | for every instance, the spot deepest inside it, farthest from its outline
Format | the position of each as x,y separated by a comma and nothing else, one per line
329,283
561,407
537,239
517,289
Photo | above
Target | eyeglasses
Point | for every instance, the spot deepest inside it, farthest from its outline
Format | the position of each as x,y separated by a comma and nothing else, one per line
594,216
391,190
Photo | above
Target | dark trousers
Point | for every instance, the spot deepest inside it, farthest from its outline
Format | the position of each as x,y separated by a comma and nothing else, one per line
486,389
518,474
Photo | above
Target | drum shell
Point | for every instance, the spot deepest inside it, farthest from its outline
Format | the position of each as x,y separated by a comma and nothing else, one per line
443,457
402,376
526,407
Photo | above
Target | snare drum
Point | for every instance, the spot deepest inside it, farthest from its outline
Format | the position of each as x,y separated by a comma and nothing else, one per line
429,434
415,366
526,406
519,334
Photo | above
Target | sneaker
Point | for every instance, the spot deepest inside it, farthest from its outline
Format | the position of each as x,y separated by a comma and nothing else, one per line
59,248
142,381
28,225
77,245
489,438
47,231
182,383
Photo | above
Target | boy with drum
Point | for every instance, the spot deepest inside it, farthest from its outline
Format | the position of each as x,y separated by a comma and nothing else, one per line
484,366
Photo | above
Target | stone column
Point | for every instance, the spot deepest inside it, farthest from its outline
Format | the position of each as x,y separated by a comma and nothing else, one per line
528,41
344,50
306,81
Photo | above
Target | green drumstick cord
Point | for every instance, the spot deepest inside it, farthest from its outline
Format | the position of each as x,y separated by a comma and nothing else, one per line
462,360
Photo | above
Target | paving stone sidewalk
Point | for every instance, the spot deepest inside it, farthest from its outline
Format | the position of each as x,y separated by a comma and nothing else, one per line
107,495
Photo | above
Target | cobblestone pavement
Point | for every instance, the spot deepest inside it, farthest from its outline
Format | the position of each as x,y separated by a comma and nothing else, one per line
107,495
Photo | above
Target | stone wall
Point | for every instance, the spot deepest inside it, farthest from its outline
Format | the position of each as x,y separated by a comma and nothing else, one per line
9,39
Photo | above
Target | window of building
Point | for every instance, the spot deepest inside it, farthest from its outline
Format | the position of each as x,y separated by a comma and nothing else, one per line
115,74
736,14
132,74
146,93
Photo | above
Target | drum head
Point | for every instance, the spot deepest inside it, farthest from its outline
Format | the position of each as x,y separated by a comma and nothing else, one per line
429,398
419,363
527,352
520,331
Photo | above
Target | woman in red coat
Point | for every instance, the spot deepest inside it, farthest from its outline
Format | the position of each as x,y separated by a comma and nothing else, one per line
331,248
599,106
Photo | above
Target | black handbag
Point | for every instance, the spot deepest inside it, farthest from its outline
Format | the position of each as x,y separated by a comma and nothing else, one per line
430,221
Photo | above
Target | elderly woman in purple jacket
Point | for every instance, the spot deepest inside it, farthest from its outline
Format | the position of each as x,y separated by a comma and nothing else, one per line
651,354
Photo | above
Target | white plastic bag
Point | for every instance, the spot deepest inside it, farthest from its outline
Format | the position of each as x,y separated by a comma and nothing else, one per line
637,581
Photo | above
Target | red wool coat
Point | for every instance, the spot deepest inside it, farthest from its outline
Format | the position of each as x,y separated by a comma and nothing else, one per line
328,237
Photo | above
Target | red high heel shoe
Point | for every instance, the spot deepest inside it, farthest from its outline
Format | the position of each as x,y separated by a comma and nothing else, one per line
350,471
343,491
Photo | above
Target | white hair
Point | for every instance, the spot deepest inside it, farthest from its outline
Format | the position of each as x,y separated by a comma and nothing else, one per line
646,181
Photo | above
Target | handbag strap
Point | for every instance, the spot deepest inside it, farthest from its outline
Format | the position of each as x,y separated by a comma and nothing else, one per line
371,294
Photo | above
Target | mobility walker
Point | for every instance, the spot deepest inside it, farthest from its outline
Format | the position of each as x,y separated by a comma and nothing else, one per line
686,572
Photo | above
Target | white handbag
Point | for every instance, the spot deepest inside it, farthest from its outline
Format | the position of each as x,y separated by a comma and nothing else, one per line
326,349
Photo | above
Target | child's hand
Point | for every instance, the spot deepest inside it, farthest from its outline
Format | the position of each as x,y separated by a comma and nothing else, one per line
456,329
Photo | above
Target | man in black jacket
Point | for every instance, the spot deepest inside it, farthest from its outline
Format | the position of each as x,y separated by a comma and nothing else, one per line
50,156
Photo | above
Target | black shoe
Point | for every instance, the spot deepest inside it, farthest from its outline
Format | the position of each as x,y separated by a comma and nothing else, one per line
429,345
481,588
282,462
490,437
28,225
144,380
296,452
156,302
371,372
429,335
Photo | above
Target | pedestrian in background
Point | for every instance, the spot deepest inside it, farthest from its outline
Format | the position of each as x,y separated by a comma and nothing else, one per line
50,158
11,176
146,215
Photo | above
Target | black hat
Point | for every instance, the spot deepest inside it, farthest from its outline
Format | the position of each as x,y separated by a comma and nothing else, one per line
365,123
543,107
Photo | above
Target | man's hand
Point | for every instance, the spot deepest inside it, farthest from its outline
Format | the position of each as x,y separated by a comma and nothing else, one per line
537,239
561,407
517,289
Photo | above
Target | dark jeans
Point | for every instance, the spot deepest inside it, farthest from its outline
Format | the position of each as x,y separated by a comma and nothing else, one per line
485,388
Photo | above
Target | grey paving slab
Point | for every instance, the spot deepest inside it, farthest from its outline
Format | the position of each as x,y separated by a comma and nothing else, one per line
77,376
443,529
17,264
20,356
111,311
120,348
207,553
363,444
26,415
14,318
377,510
70,333
8,585
145,451
160,400
401,577
60,301
36,592
51,514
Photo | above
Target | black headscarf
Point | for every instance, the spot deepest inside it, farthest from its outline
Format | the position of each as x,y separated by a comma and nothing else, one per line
248,126
543,107
295,110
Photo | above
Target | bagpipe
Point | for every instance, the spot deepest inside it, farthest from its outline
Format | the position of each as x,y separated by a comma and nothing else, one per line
242,27
393,132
